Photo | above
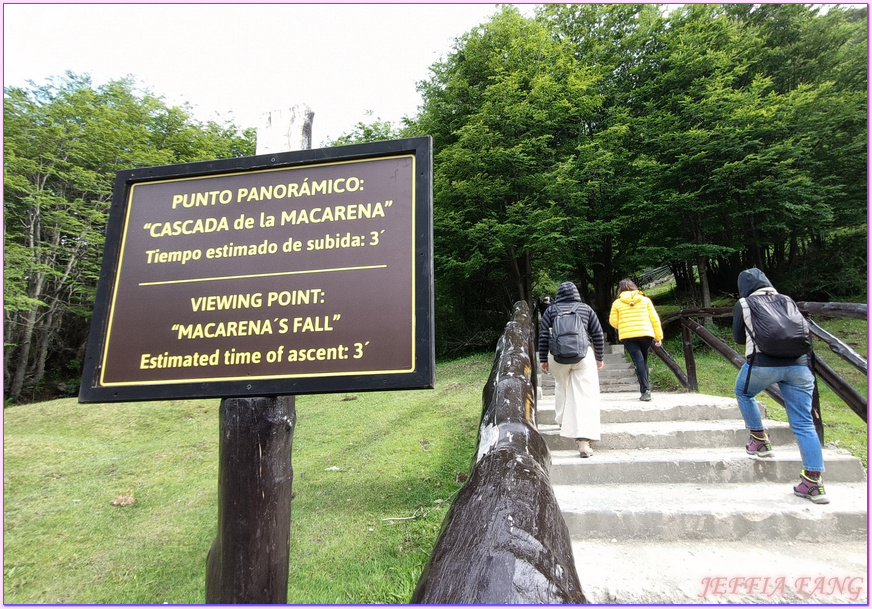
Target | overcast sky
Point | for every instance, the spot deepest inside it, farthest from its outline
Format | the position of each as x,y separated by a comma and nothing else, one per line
240,60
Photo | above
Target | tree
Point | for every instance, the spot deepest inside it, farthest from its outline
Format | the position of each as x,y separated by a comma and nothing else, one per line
63,143
502,108
376,131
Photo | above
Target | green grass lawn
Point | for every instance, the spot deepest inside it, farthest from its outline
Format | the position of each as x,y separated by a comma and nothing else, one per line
398,455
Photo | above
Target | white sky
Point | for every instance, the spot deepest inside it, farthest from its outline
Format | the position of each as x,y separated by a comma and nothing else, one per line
239,61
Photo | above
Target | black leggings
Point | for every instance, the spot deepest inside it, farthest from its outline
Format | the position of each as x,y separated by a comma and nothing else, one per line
638,348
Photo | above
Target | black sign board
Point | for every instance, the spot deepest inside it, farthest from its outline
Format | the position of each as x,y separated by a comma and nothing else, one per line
281,274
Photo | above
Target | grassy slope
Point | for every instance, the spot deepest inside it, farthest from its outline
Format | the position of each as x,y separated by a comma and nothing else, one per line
398,454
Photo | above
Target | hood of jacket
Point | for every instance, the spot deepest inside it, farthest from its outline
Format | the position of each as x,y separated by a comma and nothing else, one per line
752,280
631,297
567,292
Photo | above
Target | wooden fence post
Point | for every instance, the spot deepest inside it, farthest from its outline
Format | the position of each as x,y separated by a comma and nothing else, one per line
248,561
689,361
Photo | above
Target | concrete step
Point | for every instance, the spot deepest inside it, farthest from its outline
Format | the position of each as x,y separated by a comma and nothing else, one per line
722,572
619,387
670,434
705,512
626,407
697,465
623,373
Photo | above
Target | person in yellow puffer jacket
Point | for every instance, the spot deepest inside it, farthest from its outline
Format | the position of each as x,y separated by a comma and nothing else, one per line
638,326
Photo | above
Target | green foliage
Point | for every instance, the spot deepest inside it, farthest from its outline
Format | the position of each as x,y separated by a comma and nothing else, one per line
587,143
376,131
594,141
398,455
63,143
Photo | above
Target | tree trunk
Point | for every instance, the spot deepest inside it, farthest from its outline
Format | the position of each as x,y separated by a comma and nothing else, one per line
702,267
26,340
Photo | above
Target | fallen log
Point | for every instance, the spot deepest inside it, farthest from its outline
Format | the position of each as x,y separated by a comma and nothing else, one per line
850,310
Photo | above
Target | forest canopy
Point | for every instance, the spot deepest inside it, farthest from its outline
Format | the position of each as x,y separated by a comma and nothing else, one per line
589,143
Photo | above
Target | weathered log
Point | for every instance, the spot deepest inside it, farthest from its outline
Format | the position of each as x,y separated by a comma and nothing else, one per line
849,310
670,362
248,561
840,348
504,539
706,312
840,387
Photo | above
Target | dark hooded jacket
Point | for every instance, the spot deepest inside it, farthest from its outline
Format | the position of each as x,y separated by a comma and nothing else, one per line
567,297
753,281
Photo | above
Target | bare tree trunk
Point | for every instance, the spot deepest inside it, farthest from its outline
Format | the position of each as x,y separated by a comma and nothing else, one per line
24,346
702,267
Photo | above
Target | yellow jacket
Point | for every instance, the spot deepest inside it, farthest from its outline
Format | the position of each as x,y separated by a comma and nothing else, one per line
633,315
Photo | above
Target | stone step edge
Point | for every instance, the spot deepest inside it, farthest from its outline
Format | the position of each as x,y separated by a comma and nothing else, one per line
696,465
758,510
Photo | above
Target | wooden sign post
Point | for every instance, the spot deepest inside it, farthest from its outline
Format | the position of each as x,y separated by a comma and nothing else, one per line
255,280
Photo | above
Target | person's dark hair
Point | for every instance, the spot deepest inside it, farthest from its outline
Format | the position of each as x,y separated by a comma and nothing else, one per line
627,285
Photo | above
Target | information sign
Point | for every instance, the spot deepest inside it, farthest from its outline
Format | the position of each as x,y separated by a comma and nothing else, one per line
301,272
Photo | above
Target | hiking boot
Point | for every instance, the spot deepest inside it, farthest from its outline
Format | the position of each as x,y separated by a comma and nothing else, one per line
584,449
646,396
811,489
759,447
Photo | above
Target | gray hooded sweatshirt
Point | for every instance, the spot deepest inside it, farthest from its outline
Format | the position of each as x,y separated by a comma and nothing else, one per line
567,296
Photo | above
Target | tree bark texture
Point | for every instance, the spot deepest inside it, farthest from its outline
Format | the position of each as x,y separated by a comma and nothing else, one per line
248,561
504,540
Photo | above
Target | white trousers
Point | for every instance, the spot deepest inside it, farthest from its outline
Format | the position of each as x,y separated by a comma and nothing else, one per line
577,397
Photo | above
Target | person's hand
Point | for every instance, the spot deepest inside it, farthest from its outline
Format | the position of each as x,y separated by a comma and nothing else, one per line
657,343
544,367
599,365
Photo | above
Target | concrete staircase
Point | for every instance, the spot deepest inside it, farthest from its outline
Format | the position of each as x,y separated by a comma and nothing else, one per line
670,509
618,374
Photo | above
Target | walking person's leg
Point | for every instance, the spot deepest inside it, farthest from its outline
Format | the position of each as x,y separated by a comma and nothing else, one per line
638,349
797,387
581,416
560,372
746,390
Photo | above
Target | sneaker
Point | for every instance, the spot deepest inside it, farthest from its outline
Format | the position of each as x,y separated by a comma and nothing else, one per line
810,489
584,449
759,447
646,397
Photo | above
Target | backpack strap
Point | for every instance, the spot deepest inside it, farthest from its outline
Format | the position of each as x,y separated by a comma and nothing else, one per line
746,315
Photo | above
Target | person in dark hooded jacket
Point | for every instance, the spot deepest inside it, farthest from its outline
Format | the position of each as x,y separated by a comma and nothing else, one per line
794,378
576,385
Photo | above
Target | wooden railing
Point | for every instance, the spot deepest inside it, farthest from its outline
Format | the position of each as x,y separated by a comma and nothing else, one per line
504,540
821,369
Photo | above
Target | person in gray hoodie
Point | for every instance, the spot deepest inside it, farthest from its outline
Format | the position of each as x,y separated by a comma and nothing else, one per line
794,378
576,385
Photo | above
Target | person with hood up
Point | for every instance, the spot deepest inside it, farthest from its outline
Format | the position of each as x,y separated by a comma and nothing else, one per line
794,378
638,325
576,385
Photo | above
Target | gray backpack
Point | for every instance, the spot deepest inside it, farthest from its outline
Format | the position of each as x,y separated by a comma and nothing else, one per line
568,341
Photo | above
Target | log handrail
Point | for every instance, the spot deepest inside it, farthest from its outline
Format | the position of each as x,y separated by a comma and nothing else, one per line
840,348
840,387
504,540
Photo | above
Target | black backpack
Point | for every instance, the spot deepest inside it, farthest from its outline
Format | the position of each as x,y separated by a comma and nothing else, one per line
779,329
568,341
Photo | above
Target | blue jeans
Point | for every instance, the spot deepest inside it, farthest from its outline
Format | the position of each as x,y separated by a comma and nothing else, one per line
796,384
